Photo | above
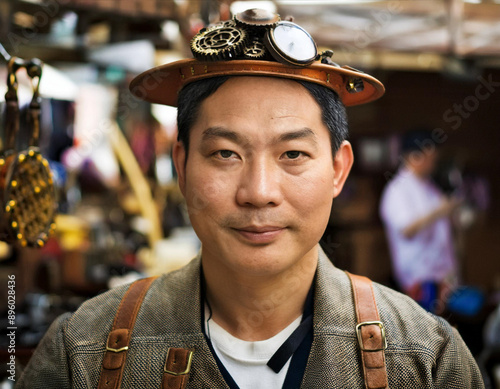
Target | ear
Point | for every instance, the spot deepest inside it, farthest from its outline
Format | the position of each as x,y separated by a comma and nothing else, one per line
179,158
342,164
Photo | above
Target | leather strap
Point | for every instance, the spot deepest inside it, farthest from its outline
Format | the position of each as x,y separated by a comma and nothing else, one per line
161,84
119,337
370,332
177,367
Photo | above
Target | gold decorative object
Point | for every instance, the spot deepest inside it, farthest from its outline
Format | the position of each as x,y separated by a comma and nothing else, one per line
26,185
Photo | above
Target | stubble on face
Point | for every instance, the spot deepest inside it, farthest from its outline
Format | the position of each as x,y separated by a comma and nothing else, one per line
254,118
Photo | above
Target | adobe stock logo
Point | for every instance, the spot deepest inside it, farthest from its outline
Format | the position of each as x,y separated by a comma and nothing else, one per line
454,116
471,103
374,29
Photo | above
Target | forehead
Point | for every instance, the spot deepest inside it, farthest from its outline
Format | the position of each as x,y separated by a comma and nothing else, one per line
265,87
263,101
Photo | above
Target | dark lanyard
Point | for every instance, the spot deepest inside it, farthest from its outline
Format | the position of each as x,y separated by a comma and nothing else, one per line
297,346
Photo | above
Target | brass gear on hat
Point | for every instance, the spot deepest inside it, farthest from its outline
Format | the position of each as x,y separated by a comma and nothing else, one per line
255,50
220,42
228,23
256,19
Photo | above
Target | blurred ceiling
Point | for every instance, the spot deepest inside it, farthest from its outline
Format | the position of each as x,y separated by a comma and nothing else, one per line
453,35
440,26
422,34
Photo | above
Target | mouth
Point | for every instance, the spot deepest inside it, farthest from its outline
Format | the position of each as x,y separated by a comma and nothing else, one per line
260,234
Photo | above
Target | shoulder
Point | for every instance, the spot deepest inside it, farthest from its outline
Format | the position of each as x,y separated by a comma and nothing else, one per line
395,189
93,320
408,325
422,350
423,347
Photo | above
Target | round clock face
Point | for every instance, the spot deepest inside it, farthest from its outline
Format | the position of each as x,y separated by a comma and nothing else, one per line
292,44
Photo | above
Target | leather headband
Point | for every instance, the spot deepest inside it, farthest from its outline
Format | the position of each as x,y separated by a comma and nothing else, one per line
161,84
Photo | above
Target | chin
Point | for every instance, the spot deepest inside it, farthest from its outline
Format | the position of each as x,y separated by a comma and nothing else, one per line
269,260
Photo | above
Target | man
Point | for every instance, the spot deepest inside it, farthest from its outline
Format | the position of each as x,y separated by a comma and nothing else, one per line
261,155
416,215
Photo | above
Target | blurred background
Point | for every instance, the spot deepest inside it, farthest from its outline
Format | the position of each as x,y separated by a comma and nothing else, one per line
120,215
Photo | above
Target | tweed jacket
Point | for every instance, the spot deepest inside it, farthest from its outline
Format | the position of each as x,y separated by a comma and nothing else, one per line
423,350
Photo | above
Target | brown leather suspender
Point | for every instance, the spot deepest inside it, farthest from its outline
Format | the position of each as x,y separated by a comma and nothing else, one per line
370,332
119,337
177,364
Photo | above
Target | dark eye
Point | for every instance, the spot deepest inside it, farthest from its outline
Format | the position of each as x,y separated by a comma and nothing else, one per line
226,153
293,154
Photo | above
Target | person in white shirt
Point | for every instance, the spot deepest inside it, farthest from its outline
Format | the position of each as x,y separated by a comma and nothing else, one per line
416,215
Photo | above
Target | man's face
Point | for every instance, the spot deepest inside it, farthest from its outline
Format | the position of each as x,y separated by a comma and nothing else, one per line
423,162
260,176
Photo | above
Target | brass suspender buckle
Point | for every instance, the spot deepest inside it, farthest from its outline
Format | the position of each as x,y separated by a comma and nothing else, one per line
116,350
360,337
188,365
116,337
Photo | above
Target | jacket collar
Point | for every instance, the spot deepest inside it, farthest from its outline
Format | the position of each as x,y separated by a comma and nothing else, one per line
333,306
333,309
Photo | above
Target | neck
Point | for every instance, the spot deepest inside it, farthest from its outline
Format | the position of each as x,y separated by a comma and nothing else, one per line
415,171
256,308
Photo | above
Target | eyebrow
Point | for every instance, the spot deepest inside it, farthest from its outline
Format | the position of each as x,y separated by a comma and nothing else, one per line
220,132
299,134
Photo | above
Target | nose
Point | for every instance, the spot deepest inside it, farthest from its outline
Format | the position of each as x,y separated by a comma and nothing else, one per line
260,185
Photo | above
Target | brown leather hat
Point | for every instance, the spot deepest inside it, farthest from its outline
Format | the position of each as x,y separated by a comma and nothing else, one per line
250,46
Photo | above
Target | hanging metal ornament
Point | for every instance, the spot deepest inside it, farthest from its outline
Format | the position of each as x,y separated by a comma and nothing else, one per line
27,193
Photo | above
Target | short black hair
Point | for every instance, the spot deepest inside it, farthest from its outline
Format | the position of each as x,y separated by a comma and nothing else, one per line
192,95
414,139
189,101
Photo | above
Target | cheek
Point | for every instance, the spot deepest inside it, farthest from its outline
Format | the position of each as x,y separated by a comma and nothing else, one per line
204,194
314,196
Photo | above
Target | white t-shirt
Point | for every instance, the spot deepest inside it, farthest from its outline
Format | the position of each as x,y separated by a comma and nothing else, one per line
429,255
247,361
